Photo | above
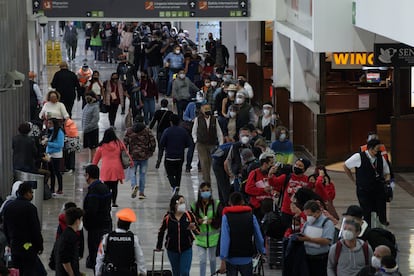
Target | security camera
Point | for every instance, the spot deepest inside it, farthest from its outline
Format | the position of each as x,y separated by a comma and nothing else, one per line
42,20
14,79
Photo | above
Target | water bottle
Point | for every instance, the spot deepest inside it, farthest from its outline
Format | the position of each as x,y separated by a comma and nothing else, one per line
7,256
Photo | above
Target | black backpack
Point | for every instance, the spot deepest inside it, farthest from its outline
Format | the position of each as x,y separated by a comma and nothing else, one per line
379,236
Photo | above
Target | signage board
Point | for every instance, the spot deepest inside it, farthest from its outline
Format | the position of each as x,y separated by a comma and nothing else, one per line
396,55
351,60
142,8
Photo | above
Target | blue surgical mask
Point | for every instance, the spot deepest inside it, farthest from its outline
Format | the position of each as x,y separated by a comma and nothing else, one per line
205,195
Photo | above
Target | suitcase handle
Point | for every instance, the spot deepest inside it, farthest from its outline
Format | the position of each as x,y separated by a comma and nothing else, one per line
162,261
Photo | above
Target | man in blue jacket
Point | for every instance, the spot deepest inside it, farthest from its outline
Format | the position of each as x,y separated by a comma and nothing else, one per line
173,141
238,227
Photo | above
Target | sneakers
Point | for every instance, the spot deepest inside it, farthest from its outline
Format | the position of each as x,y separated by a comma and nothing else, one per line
157,166
70,171
134,192
175,190
142,196
59,192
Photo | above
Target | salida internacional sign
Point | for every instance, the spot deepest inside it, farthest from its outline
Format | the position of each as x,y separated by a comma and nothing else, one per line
396,55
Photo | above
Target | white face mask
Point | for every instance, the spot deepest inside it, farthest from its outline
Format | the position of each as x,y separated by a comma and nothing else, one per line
214,83
239,100
80,225
232,114
208,84
231,94
199,99
375,262
181,76
347,235
245,140
177,51
181,208
310,219
266,112
219,76
282,137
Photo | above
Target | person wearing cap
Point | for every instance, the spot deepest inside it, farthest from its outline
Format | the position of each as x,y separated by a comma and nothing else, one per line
66,83
262,182
36,97
246,114
354,212
230,91
206,134
66,250
267,122
120,252
84,76
371,174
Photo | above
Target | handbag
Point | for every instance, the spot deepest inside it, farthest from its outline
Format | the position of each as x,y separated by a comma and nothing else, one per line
124,157
72,144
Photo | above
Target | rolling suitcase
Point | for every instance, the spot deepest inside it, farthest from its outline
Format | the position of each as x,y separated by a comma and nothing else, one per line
154,272
274,252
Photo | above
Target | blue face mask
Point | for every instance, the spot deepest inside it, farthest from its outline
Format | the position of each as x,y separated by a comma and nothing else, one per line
205,195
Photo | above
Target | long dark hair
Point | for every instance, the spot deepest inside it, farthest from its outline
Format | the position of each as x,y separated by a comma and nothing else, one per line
199,202
321,167
95,30
109,136
174,200
56,127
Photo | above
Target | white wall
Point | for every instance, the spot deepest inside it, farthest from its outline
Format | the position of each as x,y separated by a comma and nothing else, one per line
229,34
392,19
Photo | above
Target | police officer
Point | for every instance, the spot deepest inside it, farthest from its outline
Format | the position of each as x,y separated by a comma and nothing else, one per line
120,252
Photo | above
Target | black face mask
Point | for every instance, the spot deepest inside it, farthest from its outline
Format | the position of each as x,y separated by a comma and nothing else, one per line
95,78
297,170
208,113
242,82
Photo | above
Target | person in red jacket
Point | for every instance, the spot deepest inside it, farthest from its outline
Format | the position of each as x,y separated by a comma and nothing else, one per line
325,188
297,180
262,183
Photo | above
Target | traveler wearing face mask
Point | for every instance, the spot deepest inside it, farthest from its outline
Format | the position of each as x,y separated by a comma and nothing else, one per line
208,90
229,127
379,252
246,114
67,246
262,183
208,214
233,163
267,122
297,180
175,62
282,146
352,255
206,133
318,232
182,89
181,226
228,100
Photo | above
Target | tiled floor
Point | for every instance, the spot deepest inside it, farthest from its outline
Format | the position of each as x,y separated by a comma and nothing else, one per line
151,210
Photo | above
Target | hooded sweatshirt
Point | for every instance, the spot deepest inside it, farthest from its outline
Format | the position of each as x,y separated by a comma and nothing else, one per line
350,261
140,142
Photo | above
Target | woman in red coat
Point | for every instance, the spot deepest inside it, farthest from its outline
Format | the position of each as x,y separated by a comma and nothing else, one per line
325,188
112,171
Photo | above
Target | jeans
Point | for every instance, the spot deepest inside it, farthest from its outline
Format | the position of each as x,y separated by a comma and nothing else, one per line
202,254
180,262
245,270
153,72
160,150
174,170
55,171
96,50
71,50
143,166
149,109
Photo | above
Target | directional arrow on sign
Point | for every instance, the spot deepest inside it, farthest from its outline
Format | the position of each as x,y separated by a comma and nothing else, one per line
36,4
88,14
243,4
192,14
192,4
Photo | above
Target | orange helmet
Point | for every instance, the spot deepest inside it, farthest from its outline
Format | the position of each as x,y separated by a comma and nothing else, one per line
126,214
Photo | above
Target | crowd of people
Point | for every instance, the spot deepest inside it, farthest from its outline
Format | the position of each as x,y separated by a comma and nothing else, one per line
247,147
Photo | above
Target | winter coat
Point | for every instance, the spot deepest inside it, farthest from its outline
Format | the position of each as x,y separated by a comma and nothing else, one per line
140,141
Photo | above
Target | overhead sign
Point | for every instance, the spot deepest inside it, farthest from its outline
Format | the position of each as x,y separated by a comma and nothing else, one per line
351,60
397,55
142,9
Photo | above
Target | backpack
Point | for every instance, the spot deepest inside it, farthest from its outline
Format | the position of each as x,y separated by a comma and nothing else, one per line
379,236
271,224
220,152
338,253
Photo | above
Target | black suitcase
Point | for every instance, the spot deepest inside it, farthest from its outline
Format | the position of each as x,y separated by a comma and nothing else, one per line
274,252
154,272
